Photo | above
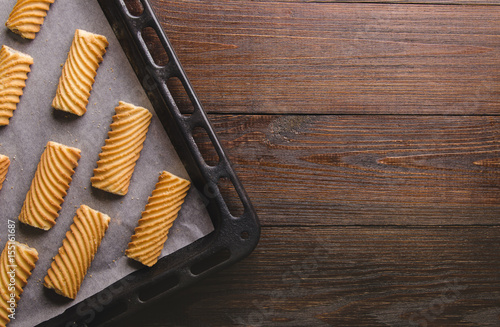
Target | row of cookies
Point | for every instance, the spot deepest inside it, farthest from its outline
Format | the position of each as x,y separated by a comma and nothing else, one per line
114,170
25,19
50,183
81,242
17,260
129,127
68,267
113,173
124,143
77,77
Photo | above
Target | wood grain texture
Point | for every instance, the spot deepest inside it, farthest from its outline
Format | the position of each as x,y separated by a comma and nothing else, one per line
258,57
417,2
136,8
367,136
365,170
348,276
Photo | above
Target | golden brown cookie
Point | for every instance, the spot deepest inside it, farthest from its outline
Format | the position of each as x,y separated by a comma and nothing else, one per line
157,219
16,263
27,16
79,71
71,263
122,149
14,69
4,167
48,187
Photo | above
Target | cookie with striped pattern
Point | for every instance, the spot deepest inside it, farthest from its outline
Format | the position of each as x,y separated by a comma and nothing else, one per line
49,185
123,146
157,218
14,69
4,167
27,16
79,71
79,247
16,263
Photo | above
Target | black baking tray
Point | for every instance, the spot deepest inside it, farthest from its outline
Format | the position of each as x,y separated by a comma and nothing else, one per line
233,237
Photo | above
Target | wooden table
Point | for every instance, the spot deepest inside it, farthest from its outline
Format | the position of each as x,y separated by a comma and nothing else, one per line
368,137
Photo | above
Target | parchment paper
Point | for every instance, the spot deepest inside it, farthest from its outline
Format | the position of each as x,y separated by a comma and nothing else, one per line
35,123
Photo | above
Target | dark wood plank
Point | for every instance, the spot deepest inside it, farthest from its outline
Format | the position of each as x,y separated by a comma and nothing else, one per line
348,277
365,170
245,56
434,2
369,219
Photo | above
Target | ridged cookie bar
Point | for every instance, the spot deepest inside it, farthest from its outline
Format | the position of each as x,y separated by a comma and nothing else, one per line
78,73
48,188
16,263
70,265
14,69
157,219
122,149
4,167
27,16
